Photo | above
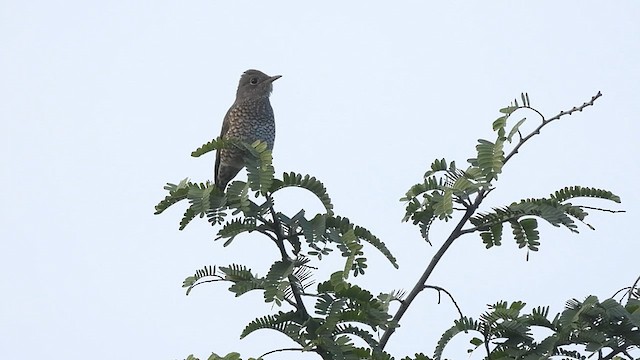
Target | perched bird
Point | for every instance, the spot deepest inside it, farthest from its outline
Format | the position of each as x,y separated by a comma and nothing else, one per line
250,118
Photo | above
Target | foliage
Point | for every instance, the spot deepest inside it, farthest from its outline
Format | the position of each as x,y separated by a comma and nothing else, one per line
349,322
607,328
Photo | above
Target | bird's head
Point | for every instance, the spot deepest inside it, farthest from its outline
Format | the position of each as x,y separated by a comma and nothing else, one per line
255,84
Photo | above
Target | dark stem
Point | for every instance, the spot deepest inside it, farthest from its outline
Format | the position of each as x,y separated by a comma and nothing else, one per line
280,239
279,350
604,210
545,122
440,289
419,286
486,342
277,229
297,294
633,287
614,352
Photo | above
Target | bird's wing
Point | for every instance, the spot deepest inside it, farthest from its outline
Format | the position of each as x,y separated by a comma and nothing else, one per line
225,128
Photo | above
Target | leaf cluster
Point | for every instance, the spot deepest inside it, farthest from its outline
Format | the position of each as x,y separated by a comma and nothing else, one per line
341,311
446,189
607,328
522,215
248,207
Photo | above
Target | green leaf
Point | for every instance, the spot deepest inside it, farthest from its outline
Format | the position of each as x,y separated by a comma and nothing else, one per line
215,144
571,192
526,234
509,109
437,166
281,322
515,129
430,183
276,281
189,215
344,225
443,204
306,182
176,194
350,303
492,237
362,334
490,158
242,278
500,122
234,228
465,324
258,162
547,209
235,272
351,243
192,281
238,197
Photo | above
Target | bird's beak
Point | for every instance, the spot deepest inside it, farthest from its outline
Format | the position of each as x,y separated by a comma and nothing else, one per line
274,78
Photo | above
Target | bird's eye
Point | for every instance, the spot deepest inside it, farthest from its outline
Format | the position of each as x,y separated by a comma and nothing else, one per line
253,81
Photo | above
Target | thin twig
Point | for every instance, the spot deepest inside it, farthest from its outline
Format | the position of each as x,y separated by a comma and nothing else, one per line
634,286
621,290
291,302
280,350
545,122
600,209
207,281
264,232
614,352
439,289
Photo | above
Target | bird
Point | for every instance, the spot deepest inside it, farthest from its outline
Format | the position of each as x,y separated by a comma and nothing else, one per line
250,118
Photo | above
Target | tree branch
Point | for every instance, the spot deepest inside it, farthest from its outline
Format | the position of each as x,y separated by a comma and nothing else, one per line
277,229
633,287
457,231
419,286
614,352
293,281
545,122
603,210
279,350
439,289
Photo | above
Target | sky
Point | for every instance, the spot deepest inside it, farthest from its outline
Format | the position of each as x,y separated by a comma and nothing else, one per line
103,101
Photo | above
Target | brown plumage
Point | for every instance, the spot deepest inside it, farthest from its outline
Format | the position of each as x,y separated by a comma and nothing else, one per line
250,118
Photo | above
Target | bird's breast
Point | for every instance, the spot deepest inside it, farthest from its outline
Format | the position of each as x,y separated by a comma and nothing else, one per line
251,121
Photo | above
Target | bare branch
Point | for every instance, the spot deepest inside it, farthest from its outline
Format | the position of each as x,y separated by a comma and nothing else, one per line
440,289
547,121
280,350
633,287
600,209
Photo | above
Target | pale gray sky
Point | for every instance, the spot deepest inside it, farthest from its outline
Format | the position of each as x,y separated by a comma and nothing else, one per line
103,102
